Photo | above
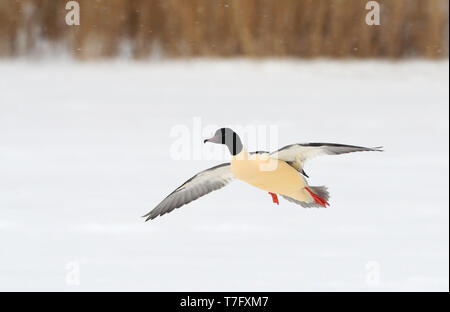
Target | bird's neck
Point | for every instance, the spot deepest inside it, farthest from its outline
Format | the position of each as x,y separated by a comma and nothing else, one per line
235,145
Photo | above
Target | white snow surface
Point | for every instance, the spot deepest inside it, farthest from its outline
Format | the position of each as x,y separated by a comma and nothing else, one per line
85,152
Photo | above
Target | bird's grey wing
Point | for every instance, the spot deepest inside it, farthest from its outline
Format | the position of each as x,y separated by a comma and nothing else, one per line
201,184
302,152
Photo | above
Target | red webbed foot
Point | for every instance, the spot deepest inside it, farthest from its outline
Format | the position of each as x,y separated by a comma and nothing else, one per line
274,198
319,200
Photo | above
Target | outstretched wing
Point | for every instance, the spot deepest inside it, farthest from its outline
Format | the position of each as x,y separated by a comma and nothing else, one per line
302,152
201,184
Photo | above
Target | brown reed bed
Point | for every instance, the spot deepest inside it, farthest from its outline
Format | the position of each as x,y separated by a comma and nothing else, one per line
225,28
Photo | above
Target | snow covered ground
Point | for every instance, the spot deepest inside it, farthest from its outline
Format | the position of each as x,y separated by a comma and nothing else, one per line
85,150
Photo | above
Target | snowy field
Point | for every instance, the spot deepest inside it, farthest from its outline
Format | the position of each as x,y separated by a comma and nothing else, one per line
85,151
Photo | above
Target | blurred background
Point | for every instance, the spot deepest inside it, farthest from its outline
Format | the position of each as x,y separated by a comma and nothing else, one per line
88,115
225,28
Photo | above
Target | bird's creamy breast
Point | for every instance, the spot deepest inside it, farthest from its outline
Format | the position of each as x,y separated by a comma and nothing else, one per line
266,173
245,166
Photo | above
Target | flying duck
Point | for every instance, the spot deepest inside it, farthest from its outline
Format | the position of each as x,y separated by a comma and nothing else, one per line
280,172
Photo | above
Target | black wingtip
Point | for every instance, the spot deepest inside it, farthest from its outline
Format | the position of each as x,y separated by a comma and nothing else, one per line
151,216
378,149
148,216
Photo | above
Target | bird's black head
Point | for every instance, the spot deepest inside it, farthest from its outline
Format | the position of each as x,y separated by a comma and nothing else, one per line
229,138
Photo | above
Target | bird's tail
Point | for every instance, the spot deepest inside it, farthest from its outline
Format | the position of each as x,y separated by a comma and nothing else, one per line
311,196
319,194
